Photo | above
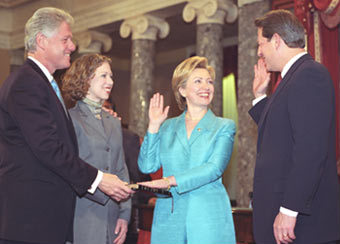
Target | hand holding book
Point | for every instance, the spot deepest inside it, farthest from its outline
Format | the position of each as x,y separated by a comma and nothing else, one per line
163,183
159,192
161,186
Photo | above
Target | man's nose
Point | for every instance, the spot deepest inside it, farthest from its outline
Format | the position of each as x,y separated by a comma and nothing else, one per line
259,52
72,47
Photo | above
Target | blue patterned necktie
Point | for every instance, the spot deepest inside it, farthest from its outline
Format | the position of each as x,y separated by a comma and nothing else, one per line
57,91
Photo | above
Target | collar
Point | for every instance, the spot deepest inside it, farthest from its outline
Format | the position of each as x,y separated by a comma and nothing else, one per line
205,123
43,68
95,107
290,63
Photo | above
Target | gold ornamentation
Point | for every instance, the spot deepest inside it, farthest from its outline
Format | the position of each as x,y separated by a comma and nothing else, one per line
168,181
331,6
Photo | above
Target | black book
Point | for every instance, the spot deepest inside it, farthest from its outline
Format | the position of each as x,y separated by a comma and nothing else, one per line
158,192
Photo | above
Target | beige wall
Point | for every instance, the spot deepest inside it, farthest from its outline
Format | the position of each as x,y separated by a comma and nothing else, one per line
4,65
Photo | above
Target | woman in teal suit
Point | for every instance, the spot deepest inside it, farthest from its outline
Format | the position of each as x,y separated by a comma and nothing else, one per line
193,149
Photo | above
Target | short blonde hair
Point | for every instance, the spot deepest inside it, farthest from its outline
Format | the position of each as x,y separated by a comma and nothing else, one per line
182,73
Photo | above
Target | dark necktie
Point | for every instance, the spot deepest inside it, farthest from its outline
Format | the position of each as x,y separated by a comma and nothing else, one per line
279,78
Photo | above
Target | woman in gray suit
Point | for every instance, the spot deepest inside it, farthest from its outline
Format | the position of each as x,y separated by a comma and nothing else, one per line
88,82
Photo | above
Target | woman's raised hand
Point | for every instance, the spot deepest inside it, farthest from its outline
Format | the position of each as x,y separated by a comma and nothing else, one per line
157,112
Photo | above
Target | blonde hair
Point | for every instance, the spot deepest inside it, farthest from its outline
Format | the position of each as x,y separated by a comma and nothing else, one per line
182,73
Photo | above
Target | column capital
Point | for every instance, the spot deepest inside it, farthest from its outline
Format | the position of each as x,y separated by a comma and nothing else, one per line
210,11
93,42
144,27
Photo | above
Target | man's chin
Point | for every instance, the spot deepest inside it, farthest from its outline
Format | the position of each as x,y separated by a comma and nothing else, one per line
269,69
65,65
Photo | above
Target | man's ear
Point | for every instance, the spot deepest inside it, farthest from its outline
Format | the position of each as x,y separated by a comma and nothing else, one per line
41,41
278,41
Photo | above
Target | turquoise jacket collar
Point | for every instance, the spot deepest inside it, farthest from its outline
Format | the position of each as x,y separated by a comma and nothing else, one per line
202,126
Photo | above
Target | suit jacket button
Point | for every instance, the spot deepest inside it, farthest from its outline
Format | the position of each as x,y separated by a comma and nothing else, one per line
107,149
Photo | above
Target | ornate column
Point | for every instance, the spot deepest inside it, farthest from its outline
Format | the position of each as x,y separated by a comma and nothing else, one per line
17,58
144,29
92,42
211,15
249,10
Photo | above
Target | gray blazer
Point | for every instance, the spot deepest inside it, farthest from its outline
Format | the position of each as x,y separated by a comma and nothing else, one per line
100,144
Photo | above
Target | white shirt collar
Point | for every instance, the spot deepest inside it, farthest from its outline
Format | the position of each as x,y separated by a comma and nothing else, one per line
290,63
43,68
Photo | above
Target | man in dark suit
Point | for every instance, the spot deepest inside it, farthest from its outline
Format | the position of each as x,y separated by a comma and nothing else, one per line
40,171
296,192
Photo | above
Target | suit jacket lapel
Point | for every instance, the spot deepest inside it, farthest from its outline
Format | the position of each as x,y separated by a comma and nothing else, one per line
203,125
67,117
283,83
72,132
181,132
107,123
39,71
89,118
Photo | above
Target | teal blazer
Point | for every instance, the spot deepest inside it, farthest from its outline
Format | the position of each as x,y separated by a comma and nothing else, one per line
201,211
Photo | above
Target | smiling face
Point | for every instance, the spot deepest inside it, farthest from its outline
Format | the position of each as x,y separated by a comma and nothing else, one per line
101,84
199,89
58,48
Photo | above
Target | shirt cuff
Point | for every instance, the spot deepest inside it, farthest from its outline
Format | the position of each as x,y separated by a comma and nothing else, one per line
256,100
288,212
96,182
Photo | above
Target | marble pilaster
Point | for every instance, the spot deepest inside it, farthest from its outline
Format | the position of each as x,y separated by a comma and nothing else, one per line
211,15
247,131
144,29
17,58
